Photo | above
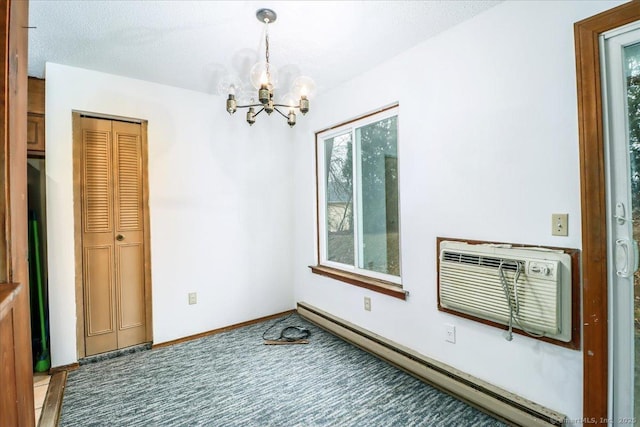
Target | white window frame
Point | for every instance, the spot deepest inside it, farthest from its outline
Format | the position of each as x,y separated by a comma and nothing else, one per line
350,127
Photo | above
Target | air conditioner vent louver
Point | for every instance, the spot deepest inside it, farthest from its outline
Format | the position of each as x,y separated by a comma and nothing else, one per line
473,278
482,261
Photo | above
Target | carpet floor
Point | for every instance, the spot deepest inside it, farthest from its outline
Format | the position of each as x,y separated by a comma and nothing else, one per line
233,379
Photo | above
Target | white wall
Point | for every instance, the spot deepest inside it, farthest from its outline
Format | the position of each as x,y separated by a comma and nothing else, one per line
220,205
488,150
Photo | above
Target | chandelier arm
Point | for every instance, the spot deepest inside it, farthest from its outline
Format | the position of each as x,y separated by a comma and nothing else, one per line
249,105
287,106
281,113
260,111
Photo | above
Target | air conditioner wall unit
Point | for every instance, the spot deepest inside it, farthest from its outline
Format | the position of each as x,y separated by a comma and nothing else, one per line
525,288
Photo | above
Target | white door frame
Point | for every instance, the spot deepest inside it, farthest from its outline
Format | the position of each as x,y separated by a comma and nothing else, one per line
622,253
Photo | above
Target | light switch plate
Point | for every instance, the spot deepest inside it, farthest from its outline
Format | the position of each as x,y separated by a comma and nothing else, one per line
450,333
193,298
559,224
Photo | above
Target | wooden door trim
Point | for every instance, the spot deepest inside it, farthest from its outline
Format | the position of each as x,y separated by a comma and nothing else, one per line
77,232
146,232
592,189
16,371
77,217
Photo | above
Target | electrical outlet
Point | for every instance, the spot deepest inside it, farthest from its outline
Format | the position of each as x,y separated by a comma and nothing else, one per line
367,303
559,224
193,298
450,333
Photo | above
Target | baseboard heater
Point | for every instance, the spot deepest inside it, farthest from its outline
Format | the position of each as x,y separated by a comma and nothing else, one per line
499,403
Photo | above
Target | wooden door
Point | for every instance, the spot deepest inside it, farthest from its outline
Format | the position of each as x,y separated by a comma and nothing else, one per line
113,253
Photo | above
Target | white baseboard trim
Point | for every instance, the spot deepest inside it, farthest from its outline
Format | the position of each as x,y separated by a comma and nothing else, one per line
493,400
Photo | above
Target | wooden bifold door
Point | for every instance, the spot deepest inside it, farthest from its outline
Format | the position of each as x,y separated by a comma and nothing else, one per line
113,240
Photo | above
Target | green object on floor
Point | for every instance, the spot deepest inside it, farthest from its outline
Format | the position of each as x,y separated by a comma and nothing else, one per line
43,362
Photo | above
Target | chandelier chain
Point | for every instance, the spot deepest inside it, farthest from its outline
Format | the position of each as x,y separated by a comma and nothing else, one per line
266,44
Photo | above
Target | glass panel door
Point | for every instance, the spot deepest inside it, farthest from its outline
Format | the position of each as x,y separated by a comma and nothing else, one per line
632,80
621,89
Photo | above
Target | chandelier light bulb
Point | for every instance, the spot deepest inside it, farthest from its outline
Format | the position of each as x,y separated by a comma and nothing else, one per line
303,86
260,76
289,100
229,85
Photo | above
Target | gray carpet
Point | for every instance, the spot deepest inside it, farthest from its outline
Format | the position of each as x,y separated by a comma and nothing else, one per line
233,379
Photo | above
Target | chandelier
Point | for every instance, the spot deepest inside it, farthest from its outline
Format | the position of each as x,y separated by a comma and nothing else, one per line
264,78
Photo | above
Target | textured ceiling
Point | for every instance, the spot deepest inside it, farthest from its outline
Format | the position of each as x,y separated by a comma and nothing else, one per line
193,44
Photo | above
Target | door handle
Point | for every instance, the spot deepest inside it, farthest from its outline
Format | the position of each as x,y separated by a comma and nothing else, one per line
621,215
626,256
120,237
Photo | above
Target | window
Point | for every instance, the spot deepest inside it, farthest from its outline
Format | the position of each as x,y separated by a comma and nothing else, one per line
358,215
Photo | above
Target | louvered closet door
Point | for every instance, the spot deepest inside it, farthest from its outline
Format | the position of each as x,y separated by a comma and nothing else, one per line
113,252
129,250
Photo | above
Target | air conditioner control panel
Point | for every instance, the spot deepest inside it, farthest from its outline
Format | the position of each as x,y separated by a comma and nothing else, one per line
542,269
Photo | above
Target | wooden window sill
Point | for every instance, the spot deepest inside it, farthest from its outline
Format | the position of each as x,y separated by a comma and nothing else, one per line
376,285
